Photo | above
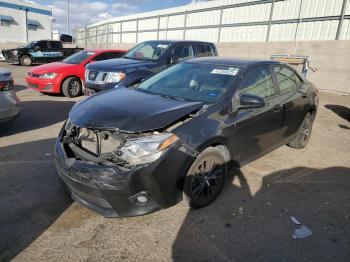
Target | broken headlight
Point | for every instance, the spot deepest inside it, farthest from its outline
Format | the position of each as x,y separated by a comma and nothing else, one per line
147,149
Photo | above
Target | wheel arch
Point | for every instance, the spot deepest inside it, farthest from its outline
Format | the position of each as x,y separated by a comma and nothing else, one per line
68,76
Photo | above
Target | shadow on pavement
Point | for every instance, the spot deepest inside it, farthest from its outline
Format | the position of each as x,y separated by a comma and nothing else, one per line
342,111
37,114
31,195
241,226
20,87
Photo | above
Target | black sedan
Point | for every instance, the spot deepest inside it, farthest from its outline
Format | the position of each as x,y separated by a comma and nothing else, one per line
132,151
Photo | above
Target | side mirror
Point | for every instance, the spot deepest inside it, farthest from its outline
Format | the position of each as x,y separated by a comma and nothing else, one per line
173,60
251,101
36,48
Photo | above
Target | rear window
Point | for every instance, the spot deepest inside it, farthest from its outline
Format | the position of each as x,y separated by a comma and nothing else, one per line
204,50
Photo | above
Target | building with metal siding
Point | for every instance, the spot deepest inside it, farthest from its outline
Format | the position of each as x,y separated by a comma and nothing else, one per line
228,21
22,22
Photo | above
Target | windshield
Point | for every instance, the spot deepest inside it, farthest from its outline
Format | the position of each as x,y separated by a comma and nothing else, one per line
148,51
191,81
78,58
30,45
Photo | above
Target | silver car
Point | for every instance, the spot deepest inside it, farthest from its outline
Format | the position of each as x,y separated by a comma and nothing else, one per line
9,102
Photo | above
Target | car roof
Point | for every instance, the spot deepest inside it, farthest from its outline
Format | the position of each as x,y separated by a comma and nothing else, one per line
96,50
235,62
178,41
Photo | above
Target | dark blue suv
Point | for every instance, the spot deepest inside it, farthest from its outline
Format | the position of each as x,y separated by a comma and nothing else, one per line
141,62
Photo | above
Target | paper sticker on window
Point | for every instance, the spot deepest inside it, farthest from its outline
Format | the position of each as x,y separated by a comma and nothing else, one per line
162,46
90,53
232,71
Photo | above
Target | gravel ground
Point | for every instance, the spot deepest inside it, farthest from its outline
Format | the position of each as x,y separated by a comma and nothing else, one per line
250,221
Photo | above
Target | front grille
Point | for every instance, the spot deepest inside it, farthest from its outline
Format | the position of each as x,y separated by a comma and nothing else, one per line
33,85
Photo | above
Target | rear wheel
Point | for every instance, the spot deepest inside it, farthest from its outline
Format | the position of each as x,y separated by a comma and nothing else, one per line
304,133
72,87
25,60
205,178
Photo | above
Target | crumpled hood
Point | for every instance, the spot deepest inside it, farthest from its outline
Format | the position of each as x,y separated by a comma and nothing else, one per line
114,65
130,110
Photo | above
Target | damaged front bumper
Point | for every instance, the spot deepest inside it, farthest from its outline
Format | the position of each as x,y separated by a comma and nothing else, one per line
116,191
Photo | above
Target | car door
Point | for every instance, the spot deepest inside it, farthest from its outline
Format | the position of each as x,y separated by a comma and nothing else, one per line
38,53
257,130
292,98
54,51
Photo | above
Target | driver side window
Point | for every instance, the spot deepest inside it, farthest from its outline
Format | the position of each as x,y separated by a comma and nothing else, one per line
259,83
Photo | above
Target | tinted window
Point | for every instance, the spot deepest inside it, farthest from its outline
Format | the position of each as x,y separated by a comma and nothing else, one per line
286,78
259,83
203,50
55,45
183,52
42,44
148,51
78,58
191,81
108,55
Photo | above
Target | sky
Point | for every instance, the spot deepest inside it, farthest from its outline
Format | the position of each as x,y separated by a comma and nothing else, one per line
85,12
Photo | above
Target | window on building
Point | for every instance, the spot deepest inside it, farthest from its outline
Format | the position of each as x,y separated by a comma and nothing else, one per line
32,27
5,23
259,83
203,50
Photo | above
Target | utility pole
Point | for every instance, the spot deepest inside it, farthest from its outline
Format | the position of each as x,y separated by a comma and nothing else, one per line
67,17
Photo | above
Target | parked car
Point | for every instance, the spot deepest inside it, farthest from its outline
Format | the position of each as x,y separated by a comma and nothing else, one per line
67,76
131,151
2,58
9,102
43,51
143,61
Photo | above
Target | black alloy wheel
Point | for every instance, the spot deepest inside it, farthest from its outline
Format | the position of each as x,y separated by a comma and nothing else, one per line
72,87
205,179
304,133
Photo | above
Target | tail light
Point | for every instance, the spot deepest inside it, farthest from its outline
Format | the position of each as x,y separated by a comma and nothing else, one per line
6,85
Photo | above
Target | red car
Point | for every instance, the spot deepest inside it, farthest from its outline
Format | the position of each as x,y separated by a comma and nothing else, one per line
68,75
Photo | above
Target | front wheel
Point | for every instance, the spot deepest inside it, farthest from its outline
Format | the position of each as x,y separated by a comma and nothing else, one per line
205,178
25,60
72,87
303,134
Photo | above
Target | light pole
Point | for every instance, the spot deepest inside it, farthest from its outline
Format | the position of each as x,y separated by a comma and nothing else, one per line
67,17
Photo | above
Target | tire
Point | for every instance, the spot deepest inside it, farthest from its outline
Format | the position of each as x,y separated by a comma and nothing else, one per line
71,87
204,183
25,60
304,133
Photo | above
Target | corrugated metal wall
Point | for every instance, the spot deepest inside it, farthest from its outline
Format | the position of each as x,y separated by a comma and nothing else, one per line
228,21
